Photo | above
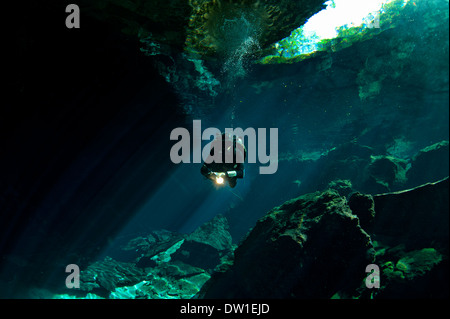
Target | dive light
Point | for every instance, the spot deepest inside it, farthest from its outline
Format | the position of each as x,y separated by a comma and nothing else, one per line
219,178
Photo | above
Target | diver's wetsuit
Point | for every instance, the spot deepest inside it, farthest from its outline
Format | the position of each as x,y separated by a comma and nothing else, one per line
237,165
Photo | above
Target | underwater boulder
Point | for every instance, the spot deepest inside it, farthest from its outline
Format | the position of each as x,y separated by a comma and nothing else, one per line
171,280
417,218
363,206
430,164
410,232
205,247
214,233
309,247
343,187
418,262
144,247
318,245
412,274
104,276
169,265
385,174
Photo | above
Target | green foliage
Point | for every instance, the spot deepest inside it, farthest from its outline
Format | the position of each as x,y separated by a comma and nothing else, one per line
300,46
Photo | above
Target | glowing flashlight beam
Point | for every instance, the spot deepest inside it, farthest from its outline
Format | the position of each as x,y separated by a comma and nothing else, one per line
219,180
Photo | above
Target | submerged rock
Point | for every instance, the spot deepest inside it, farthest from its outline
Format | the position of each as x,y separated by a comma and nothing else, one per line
309,247
411,237
318,245
106,275
418,262
146,246
430,164
168,265
387,171
206,245
363,206
343,187
417,218
171,280
213,233
413,274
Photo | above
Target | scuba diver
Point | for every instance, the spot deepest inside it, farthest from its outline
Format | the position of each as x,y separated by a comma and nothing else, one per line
223,171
